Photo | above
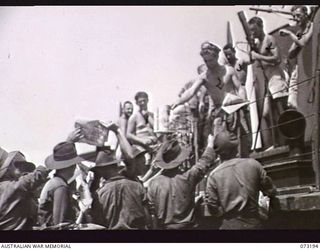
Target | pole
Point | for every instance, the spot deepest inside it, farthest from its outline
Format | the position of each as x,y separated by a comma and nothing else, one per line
195,143
316,133
271,11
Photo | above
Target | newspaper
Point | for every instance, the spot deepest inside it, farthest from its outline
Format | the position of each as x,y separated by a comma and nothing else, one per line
94,133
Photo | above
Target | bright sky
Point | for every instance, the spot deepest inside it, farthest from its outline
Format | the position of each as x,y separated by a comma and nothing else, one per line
58,64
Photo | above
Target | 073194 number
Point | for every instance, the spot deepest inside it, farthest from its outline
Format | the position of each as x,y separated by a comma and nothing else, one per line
305,245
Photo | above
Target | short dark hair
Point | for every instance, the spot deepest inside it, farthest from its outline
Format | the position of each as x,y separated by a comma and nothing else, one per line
127,102
140,94
229,46
256,20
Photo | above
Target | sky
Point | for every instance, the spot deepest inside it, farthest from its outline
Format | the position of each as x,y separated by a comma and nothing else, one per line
60,64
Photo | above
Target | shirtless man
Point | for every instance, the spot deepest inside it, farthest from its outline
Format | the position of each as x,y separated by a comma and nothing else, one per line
127,112
300,39
235,80
212,78
268,56
236,75
140,124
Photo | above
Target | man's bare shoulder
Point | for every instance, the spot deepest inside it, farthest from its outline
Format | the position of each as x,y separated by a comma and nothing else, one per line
133,117
122,120
270,41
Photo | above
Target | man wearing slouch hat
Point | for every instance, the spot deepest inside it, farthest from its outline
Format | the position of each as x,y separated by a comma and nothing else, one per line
120,203
55,204
172,193
19,180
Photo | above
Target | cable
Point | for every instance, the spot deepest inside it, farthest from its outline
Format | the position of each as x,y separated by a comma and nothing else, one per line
278,125
293,85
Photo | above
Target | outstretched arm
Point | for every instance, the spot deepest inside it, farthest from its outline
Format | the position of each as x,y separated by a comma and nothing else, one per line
188,94
198,171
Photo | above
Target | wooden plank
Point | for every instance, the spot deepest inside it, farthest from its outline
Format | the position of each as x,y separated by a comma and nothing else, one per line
297,202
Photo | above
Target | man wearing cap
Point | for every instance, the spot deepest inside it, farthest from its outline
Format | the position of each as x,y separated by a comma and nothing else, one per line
212,78
19,180
121,203
172,193
55,205
233,187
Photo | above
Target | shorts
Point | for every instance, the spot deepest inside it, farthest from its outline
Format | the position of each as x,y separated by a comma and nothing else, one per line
277,87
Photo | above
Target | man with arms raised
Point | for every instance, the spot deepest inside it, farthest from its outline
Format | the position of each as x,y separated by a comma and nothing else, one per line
172,193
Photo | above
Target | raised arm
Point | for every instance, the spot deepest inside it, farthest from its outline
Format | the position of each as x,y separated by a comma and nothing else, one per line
303,40
32,180
274,56
188,94
125,146
123,125
198,171
297,43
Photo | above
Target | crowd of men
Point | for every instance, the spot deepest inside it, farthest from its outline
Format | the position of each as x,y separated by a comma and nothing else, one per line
150,187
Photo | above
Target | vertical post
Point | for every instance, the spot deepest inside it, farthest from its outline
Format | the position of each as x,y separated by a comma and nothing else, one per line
315,134
238,128
195,144
120,109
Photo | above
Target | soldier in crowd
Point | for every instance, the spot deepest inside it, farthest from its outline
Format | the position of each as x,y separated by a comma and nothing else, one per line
300,39
127,110
133,156
269,59
19,180
56,204
172,193
120,203
233,187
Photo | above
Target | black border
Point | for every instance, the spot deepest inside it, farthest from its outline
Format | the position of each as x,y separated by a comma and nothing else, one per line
191,236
